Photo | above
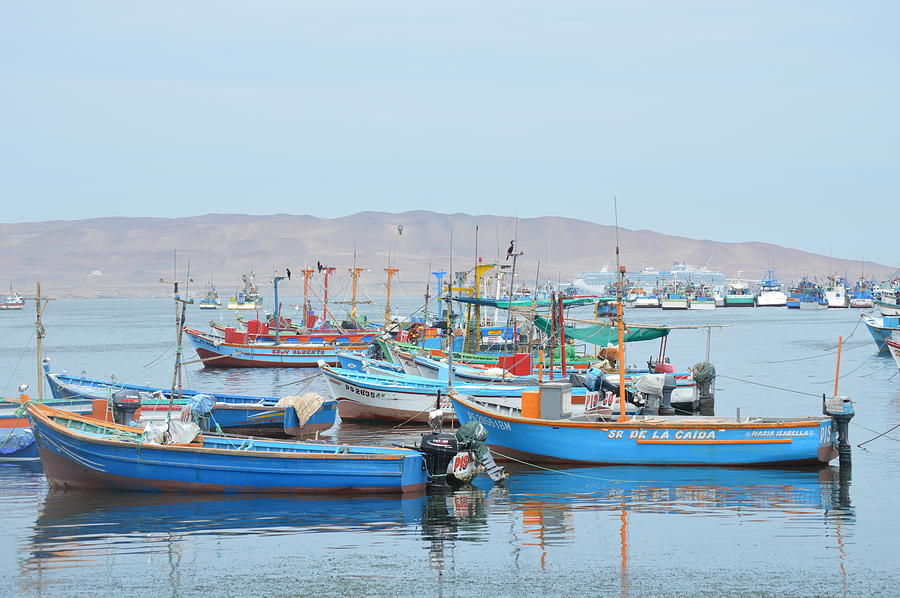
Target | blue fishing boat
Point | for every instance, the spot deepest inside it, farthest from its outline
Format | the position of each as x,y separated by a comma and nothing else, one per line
807,295
218,353
862,295
82,453
881,329
651,440
231,413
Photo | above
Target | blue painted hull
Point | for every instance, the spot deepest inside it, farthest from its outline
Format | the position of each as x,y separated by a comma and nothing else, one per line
675,441
91,460
232,413
879,332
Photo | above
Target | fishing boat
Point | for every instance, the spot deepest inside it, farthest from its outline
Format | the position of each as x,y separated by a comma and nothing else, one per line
545,427
737,294
211,299
862,296
238,414
702,298
247,297
234,352
259,331
881,329
86,454
836,295
806,295
887,300
770,293
648,300
13,300
650,439
673,297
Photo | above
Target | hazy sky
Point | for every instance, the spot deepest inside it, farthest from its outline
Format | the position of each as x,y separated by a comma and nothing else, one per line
771,121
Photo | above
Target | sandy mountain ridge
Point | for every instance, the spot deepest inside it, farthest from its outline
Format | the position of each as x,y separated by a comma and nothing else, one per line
132,254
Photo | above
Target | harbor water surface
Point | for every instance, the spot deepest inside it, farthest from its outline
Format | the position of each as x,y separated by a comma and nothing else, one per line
626,531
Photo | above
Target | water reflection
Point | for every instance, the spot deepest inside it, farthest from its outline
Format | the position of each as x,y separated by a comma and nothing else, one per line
536,514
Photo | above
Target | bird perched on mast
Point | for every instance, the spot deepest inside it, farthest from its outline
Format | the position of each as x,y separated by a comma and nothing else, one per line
512,248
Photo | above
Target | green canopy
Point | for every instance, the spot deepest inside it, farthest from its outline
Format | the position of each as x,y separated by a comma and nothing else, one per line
604,334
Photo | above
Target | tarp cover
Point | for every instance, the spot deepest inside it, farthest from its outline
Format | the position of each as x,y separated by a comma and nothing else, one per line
202,404
304,405
604,334
171,431
472,435
15,439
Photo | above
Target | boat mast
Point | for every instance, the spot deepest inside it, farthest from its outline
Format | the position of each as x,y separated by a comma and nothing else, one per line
354,277
620,325
40,303
275,282
387,305
328,271
428,295
180,308
440,278
450,318
307,272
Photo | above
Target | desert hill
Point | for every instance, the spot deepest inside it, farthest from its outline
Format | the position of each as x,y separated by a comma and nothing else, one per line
126,257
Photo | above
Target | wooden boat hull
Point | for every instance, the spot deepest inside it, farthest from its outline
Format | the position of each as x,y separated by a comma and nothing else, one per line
217,354
660,441
74,459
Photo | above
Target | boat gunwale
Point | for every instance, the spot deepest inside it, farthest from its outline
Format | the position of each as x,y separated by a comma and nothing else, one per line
714,423
39,411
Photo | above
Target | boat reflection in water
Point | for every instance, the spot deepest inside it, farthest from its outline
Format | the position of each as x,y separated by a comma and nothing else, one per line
542,509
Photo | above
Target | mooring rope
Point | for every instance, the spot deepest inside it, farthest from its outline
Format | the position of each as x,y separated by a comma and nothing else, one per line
876,432
799,392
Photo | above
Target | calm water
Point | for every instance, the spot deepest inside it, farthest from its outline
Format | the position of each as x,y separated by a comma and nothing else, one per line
585,531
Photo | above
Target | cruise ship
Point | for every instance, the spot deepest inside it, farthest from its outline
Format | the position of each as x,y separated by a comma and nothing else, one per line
596,283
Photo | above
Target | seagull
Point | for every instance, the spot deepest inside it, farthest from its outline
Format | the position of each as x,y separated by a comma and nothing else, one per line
511,249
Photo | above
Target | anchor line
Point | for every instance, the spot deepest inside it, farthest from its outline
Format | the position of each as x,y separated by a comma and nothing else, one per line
891,429
799,392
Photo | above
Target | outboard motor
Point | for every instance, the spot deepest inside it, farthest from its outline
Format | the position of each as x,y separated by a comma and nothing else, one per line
650,386
473,457
438,449
669,386
125,405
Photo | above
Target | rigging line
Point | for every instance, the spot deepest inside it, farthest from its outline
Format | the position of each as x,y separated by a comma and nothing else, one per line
307,379
27,349
799,392
559,471
844,350
864,362
858,425
880,435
